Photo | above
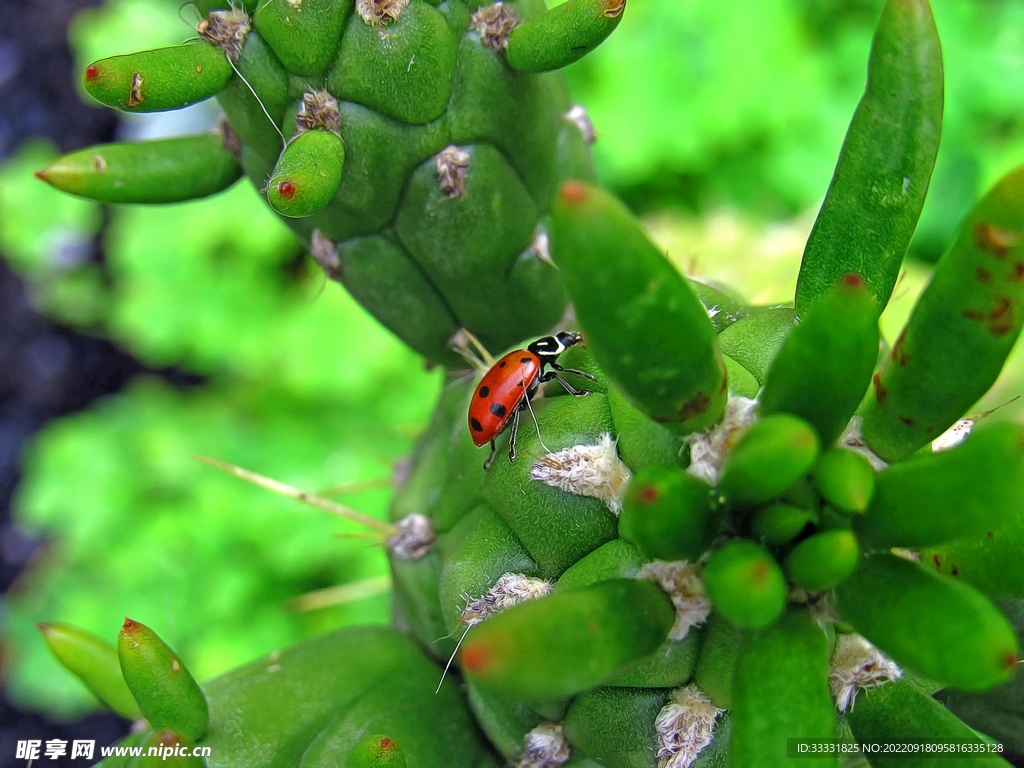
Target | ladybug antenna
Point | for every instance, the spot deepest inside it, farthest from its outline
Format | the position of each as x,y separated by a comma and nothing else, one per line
451,659
536,423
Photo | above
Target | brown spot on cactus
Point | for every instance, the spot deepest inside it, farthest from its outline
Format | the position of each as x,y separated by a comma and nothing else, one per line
880,391
989,534
494,23
907,420
1002,317
286,189
1017,272
937,560
694,407
1010,660
953,570
993,240
899,353
92,74
614,8
982,275
972,314
135,97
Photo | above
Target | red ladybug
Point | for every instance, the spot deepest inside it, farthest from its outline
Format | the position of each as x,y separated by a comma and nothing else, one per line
507,387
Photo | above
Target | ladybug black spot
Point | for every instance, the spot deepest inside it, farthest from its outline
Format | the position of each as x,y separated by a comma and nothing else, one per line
484,391
476,425
501,364
498,410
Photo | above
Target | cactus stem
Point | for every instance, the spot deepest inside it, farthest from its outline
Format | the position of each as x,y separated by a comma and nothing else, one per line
578,116
546,747
684,586
452,166
586,470
341,594
857,665
685,727
493,23
306,498
709,449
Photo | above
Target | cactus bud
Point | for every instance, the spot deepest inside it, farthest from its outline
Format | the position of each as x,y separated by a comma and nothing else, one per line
823,560
667,513
562,35
745,584
770,457
780,523
307,174
165,690
845,479
304,38
376,751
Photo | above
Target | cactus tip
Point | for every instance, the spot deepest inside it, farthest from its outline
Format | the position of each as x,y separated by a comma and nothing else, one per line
42,627
129,625
41,174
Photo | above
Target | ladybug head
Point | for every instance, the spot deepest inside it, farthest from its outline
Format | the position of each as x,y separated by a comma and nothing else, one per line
550,347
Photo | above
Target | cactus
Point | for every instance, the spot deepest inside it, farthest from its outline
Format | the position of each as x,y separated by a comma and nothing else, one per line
753,527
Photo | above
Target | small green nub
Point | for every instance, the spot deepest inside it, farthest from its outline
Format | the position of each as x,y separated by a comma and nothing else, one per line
845,479
93,661
933,624
165,690
560,645
667,513
823,560
824,366
769,459
955,494
562,35
158,80
641,319
308,174
780,523
161,171
745,584
304,36
376,751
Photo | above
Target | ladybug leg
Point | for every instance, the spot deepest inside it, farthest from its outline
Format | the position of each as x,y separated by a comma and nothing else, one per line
490,458
584,374
513,433
553,375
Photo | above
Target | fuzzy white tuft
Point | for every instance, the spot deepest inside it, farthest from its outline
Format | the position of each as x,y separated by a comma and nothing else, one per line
709,449
227,30
953,436
907,554
853,438
578,116
378,12
682,582
541,246
414,539
684,727
858,665
546,747
493,23
452,166
586,470
319,109
511,589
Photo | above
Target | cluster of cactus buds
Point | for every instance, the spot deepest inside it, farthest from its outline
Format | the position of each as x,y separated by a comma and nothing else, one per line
761,524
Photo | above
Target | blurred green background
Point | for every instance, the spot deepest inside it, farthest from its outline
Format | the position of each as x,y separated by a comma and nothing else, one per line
719,122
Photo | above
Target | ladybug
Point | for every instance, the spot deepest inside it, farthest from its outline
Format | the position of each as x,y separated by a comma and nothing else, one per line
507,387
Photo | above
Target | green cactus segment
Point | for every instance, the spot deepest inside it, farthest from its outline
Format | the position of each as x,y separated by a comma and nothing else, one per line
881,178
307,174
465,228
561,645
416,601
900,712
717,661
615,726
93,661
374,751
745,584
267,714
780,691
504,721
642,443
961,331
753,341
940,497
741,381
155,81
166,692
769,459
991,563
824,366
668,514
562,35
160,171
168,746
642,321
402,68
417,726
723,306
780,523
617,559
557,528
932,624
477,552
823,560
845,479
304,36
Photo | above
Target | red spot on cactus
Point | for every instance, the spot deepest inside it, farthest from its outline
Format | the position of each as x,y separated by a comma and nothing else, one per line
899,354
649,494
992,239
386,744
286,189
852,280
476,658
907,420
982,275
92,74
1010,660
694,407
880,391
573,192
